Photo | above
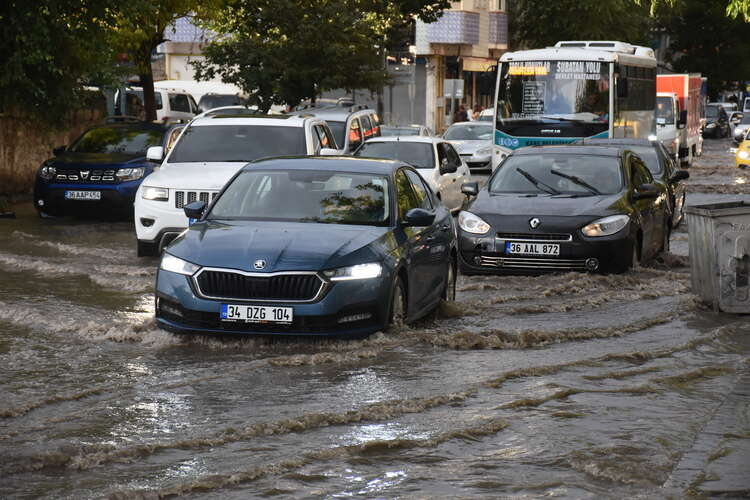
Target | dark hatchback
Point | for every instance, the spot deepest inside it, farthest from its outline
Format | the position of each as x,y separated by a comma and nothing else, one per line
310,246
100,172
564,208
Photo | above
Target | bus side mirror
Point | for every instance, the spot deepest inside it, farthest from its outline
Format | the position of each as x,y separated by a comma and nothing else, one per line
622,88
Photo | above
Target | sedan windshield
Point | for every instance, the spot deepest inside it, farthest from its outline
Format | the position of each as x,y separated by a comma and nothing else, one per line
305,196
117,139
712,111
473,132
240,143
557,173
419,154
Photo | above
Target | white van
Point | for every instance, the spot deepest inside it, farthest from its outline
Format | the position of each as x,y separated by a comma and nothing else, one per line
171,104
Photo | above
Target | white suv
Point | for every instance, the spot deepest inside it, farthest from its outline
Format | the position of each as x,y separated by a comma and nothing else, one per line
209,151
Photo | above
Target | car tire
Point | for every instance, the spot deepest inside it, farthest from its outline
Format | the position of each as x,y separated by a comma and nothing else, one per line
397,313
632,263
146,249
449,294
665,238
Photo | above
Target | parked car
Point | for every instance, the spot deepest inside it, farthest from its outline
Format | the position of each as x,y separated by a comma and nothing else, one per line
740,130
434,158
100,171
351,124
402,130
662,166
742,155
473,141
717,121
209,151
171,105
486,115
211,101
310,246
564,208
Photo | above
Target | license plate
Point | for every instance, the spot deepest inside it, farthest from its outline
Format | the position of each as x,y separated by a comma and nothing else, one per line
83,195
527,248
256,314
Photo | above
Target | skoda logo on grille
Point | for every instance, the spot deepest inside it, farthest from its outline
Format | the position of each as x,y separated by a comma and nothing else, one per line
535,223
84,174
259,264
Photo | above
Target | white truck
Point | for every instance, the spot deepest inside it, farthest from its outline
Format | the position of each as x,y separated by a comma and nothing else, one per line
679,109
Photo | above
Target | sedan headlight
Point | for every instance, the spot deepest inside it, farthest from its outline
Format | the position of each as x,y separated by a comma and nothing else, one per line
155,193
484,151
606,226
176,265
47,173
743,155
358,272
472,223
710,125
130,174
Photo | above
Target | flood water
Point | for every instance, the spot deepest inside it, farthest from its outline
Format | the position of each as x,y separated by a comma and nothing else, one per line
566,386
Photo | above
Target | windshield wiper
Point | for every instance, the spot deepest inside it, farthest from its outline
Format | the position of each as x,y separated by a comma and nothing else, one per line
577,180
536,182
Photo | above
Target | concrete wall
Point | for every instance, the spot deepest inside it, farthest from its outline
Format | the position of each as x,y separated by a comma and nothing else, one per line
26,143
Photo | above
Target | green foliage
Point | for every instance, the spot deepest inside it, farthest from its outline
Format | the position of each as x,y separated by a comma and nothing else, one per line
535,24
284,51
50,49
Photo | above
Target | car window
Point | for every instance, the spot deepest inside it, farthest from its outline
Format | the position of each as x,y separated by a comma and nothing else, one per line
193,105
453,157
355,134
650,157
179,102
173,135
442,153
305,196
117,139
316,140
418,154
405,197
339,131
420,191
324,137
641,174
237,143
210,101
366,126
375,124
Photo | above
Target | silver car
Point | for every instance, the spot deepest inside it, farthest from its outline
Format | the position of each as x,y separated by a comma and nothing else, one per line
473,141
740,130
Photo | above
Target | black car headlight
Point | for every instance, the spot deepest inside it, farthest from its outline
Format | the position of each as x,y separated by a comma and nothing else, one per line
130,174
606,226
47,172
358,272
155,193
472,223
176,265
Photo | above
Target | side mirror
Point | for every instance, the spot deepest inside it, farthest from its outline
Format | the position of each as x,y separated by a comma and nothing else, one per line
645,192
679,176
195,210
419,217
470,188
683,119
155,153
58,150
329,152
447,168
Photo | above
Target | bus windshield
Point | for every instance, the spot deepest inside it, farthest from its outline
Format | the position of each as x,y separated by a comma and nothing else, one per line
553,92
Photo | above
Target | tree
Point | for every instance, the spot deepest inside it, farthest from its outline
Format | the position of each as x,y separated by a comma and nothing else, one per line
51,49
535,24
285,51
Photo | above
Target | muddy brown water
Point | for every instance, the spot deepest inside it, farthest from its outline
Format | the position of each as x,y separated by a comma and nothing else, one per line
569,386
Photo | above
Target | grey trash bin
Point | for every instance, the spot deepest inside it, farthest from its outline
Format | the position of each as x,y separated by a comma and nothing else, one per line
720,254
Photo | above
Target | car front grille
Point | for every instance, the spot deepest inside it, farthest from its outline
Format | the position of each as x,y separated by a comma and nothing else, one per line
534,263
535,236
182,198
294,287
86,176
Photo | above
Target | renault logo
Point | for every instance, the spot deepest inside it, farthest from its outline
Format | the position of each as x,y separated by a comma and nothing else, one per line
84,174
535,223
259,264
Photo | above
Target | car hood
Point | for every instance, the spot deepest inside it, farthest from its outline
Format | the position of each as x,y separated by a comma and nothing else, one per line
93,160
284,246
470,147
197,176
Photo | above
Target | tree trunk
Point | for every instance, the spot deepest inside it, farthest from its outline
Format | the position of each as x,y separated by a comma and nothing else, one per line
149,100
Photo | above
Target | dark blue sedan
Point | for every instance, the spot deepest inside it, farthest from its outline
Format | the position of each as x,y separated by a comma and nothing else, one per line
100,172
310,246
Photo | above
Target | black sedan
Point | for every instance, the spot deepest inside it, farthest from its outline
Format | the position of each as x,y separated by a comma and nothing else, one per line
562,208
310,246
717,121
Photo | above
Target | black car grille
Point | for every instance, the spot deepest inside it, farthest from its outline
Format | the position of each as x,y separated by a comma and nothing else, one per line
535,236
535,263
86,176
231,285
182,198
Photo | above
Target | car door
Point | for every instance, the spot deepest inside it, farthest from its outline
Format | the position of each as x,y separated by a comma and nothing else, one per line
462,174
179,107
651,228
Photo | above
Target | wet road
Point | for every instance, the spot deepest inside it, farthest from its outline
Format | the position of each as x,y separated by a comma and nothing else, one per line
568,386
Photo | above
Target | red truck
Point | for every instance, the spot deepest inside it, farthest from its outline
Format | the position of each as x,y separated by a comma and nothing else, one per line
679,109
